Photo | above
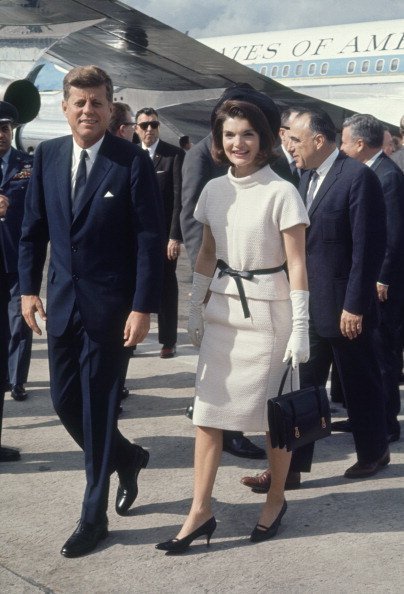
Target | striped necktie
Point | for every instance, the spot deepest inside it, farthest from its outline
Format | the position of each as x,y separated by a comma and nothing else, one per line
312,189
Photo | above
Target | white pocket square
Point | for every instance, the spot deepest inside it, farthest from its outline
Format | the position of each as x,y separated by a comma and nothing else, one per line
108,195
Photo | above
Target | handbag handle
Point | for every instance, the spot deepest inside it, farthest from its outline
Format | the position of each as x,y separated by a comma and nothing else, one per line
282,384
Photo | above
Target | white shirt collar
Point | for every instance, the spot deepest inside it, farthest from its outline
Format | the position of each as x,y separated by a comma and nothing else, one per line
151,148
326,165
287,155
373,159
92,152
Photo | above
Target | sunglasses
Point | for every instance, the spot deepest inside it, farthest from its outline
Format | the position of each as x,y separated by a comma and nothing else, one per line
144,125
128,124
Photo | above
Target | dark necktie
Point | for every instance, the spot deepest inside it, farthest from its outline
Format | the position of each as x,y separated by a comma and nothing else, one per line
1,171
312,188
81,179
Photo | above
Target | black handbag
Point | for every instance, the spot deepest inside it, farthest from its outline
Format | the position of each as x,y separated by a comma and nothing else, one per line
298,417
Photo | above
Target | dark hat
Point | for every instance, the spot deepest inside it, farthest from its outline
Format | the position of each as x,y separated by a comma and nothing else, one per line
245,92
8,112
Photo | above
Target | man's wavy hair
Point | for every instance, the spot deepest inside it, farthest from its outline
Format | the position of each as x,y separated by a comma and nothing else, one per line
258,121
84,77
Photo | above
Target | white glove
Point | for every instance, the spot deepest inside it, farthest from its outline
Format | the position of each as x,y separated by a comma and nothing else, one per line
200,287
298,345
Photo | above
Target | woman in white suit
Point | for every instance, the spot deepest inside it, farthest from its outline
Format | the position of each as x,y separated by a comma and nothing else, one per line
255,319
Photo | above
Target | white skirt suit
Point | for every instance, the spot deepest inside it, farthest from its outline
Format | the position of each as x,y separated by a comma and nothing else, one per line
240,361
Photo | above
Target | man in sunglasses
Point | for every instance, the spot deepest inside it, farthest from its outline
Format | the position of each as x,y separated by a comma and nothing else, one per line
167,160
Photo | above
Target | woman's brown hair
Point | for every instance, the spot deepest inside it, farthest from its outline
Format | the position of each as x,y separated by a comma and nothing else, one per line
258,121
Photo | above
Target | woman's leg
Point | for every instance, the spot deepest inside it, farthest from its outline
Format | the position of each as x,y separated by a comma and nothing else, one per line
208,451
279,461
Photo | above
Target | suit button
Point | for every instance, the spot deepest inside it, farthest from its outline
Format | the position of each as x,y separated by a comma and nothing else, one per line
74,248
75,277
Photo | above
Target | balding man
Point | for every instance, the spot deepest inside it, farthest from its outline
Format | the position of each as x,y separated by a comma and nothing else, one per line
362,139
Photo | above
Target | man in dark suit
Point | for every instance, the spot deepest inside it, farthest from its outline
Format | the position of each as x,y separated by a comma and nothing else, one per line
284,164
8,115
95,198
167,160
345,248
362,139
15,171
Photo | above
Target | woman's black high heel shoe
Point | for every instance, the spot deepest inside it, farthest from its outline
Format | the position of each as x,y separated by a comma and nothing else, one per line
261,533
179,545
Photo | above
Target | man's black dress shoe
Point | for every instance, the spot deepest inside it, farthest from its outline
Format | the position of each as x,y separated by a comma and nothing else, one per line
168,352
189,411
9,454
127,489
124,393
242,447
392,437
344,426
84,539
18,392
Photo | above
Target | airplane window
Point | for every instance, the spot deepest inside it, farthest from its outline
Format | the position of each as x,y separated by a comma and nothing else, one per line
365,66
312,69
263,70
379,65
351,67
285,70
299,70
274,71
324,68
394,64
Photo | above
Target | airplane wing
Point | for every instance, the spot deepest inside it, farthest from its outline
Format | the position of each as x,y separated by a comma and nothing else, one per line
138,52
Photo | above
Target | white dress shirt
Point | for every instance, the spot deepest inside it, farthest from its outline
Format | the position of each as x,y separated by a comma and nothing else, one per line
92,152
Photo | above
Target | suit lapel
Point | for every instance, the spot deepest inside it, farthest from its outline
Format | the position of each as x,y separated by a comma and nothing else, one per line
329,181
378,162
157,156
63,168
98,172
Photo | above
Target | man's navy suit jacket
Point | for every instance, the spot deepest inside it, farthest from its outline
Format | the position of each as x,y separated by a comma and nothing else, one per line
107,259
392,181
167,161
14,186
345,245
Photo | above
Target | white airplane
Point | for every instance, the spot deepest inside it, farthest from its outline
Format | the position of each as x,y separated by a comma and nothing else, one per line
150,63
358,66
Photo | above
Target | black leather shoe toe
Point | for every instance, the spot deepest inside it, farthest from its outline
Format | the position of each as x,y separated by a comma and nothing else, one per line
243,448
127,489
9,454
18,392
343,426
84,539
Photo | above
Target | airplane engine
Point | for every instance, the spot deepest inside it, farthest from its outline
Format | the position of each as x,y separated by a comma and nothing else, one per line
25,98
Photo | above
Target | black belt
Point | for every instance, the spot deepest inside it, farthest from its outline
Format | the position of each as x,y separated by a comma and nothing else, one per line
240,275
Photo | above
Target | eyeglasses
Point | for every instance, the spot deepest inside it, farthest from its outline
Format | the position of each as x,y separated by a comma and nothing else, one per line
153,124
128,124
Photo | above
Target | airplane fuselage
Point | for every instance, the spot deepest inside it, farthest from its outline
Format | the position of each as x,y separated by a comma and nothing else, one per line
343,64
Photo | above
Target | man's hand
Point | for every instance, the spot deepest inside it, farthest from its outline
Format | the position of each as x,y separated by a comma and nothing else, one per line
382,291
173,249
136,328
4,204
350,324
30,304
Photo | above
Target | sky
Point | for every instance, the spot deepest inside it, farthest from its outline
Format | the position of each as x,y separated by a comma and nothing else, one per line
209,18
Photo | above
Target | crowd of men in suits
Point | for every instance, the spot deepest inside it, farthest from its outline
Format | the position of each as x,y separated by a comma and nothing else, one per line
117,213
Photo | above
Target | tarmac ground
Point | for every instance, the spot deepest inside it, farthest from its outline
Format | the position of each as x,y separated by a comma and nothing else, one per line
338,535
